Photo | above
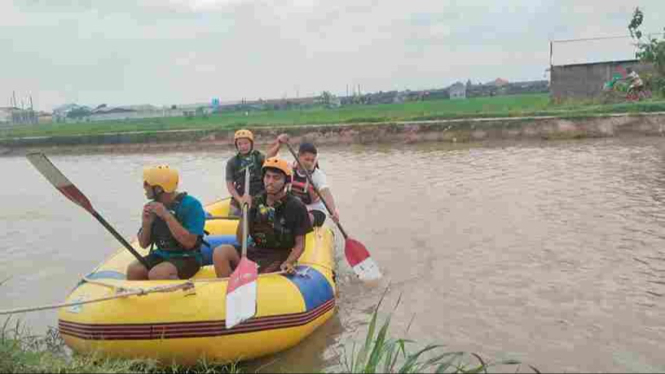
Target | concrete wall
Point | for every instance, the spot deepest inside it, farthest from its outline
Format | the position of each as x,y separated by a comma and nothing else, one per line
585,81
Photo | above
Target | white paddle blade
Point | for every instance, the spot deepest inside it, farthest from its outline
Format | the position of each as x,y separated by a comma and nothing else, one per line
241,293
361,262
367,270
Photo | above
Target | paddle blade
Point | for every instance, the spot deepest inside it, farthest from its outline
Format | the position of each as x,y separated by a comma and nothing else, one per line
241,293
360,260
59,181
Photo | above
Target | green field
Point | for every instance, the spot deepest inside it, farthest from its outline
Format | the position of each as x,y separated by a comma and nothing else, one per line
498,106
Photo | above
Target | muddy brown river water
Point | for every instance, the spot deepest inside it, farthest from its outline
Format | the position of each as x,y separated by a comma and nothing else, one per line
552,253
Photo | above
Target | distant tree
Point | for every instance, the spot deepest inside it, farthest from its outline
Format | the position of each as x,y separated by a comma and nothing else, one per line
328,100
649,50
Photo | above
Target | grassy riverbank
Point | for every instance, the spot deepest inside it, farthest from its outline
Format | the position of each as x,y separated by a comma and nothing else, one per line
484,107
21,352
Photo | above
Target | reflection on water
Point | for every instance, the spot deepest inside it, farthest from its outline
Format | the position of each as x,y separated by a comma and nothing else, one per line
551,253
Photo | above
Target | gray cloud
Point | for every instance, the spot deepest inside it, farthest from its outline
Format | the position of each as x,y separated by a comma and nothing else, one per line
178,51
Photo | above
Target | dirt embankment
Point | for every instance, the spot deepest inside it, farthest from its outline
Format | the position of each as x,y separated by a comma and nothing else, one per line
462,130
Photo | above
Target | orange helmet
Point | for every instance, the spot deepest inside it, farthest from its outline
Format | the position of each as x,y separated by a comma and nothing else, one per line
278,164
243,133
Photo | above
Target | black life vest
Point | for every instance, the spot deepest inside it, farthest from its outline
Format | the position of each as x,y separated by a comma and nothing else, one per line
253,162
268,228
162,238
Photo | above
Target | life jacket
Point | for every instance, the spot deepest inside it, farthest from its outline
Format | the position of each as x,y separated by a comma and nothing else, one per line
167,245
268,228
301,188
253,162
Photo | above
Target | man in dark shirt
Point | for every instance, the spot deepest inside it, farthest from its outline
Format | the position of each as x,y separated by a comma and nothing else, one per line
278,223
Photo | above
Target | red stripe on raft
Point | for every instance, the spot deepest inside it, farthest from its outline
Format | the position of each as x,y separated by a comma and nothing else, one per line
188,330
200,324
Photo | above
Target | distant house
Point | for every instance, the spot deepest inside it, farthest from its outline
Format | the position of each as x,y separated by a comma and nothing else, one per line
457,91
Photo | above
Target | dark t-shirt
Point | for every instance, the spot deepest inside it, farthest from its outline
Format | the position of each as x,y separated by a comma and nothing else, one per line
277,227
234,171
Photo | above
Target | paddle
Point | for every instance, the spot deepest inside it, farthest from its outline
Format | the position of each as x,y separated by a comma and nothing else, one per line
67,188
356,254
241,289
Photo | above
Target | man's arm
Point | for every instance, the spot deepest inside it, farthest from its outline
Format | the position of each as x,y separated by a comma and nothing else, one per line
328,197
181,234
297,250
232,190
230,186
302,226
276,145
144,236
146,227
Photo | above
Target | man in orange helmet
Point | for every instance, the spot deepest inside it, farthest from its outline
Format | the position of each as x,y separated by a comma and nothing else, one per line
172,225
247,157
278,223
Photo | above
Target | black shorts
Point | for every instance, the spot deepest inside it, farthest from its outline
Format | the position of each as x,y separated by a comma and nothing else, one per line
269,260
187,266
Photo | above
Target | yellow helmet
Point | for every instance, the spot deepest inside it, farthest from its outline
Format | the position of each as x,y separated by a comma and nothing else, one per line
161,176
243,133
279,164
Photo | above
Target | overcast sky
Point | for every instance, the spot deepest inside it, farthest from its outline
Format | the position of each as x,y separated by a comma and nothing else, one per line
166,52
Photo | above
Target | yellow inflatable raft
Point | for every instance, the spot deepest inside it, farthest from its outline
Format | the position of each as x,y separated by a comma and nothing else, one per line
183,321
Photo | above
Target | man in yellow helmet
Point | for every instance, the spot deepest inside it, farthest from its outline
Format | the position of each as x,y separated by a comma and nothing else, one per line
247,157
172,225
278,223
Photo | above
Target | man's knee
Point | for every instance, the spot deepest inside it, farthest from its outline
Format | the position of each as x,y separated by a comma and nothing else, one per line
136,271
224,252
165,270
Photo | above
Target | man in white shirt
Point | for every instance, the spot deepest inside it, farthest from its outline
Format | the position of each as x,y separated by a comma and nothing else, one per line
301,188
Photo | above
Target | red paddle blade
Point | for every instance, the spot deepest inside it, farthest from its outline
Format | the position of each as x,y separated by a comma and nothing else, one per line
59,181
241,293
360,260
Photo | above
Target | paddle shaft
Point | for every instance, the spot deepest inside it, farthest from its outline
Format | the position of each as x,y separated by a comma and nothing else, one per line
73,194
120,239
245,224
309,178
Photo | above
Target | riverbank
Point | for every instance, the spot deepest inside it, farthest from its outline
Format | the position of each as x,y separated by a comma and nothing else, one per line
451,130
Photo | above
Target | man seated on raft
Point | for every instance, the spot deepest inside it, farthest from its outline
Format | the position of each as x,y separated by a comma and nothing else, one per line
278,223
173,222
